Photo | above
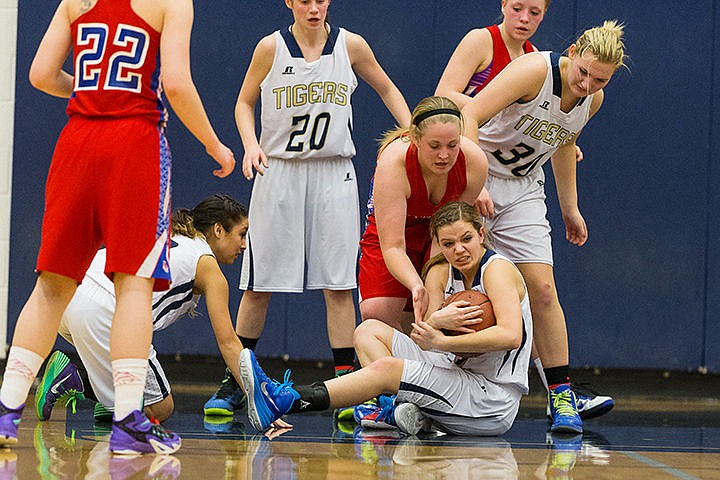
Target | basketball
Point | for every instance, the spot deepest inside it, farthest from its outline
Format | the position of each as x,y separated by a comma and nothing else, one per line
474,297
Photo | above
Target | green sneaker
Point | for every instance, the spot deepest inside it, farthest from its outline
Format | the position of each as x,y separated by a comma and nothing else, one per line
102,414
60,382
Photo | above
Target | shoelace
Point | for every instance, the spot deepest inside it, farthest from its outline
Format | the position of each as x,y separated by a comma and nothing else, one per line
387,405
286,383
70,397
562,402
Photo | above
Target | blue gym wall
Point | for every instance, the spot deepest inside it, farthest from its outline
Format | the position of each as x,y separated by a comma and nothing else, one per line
642,293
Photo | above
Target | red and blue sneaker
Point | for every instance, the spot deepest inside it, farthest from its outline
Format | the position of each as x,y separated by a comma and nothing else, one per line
267,399
136,434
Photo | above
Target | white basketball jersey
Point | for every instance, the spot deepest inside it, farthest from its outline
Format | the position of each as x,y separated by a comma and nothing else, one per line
306,111
169,305
523,136
502,367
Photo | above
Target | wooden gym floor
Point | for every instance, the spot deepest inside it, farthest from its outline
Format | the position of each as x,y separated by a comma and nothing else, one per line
664,426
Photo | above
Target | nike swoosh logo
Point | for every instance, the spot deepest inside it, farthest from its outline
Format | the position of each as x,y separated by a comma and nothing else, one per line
54,388
263,388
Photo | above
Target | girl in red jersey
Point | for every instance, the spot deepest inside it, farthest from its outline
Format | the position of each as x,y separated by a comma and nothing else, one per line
419,169
484,52
114,155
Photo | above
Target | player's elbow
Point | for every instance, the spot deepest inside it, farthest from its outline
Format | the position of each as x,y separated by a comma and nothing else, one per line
513,339
40,78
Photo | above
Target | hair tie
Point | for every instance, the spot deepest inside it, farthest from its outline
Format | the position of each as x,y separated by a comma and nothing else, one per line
438,111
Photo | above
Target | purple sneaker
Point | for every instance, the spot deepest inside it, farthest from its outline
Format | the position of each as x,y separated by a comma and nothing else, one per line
163,467
60,382
9,420
136,434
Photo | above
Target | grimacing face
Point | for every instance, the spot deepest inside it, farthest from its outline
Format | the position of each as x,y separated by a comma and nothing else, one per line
461,244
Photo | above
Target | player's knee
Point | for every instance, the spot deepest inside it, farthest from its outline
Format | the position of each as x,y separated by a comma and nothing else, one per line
543,295
388,370
369,330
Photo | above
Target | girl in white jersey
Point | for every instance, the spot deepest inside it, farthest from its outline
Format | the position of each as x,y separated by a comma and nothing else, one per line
532,111
304,208
210,234
476,393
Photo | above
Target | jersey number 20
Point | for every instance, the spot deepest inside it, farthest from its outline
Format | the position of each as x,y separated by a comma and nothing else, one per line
317,136
92,38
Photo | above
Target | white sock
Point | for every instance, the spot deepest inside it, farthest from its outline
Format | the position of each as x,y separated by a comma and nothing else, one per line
22,367
129,376
541,372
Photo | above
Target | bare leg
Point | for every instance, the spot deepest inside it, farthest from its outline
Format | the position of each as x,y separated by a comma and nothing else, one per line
381,376
389,310
340,317
39,319
373,340
550,331
130,337
131,331
35,335
252,313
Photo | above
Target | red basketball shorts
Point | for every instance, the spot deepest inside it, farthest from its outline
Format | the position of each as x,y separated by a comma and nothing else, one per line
109,183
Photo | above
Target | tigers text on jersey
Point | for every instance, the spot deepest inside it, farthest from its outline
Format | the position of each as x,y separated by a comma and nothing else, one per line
306,110
523,136
117,64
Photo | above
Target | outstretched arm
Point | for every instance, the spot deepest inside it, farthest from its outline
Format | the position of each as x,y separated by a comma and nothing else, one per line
254,158
179,87
210,280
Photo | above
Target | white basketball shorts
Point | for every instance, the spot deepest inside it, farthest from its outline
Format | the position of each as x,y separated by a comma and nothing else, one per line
303,212
86,325
458,401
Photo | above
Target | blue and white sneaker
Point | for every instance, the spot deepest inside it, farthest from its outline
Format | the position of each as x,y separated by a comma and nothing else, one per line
136,434
228,398
563,410
9,421
591,404
267,399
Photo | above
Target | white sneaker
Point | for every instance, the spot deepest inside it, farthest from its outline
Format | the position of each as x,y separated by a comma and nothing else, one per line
410,419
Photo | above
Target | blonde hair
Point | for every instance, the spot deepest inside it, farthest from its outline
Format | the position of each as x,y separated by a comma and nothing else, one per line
604,42
420,120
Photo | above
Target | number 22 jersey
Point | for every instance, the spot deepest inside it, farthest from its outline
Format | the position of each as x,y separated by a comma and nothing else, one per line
306,111
117,65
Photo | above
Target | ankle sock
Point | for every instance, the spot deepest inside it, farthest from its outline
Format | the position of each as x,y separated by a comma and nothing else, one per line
129,376
22,367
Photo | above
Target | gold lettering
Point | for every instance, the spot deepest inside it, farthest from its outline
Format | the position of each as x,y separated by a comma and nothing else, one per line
278,97
299,95
329,89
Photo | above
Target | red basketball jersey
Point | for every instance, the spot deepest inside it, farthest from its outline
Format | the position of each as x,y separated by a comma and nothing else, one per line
117,64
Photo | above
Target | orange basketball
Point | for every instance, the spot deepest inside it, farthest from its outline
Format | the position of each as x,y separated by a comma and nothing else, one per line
474,297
